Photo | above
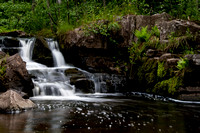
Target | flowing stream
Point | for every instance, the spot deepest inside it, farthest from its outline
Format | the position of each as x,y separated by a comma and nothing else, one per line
62,110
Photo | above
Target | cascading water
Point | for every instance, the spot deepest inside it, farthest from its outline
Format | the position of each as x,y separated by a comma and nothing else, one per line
57,55
47,81
52,81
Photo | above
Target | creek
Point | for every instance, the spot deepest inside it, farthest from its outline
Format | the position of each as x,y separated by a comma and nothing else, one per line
61,109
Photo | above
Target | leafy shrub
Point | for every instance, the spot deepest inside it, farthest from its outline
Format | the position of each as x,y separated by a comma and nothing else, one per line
143,35
155,31
183,63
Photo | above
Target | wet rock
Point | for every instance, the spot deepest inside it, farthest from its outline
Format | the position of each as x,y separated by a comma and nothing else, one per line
172,62
2,54
11,42
178,27
73,71
11,101
15,34
150,21
189,93
128,25
16,76
166,56
42,53
84,86
194,58
154,53
110,83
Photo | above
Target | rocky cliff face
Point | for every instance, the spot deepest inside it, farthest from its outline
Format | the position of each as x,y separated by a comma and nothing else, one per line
109,53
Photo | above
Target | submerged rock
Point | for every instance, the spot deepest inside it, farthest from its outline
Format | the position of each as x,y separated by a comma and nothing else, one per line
11,101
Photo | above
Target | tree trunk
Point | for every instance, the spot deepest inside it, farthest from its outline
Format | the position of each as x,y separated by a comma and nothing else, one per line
197,4
33,5
104,3
59,1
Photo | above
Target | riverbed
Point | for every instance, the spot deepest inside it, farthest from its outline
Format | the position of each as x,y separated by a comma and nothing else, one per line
104,113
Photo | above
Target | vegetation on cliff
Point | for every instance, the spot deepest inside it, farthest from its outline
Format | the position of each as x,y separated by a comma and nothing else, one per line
51,17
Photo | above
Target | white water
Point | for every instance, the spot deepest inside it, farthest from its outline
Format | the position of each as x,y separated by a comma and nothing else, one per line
58,58
47,81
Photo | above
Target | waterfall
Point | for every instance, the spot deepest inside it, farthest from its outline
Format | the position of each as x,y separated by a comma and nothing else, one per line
51,81
27,48
48,81
58,58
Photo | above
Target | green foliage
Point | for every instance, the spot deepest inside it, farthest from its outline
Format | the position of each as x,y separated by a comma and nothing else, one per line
155,31
136,51
63,27
113,26
161,72
183,63
13,16
2,71
143,35
101,27
168,86
33,17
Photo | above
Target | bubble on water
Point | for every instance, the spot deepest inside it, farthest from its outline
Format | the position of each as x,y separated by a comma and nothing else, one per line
110,126
120,115
80,109
82,113
170,126
139,124
152,120
138,116
132,124
88,128
159,130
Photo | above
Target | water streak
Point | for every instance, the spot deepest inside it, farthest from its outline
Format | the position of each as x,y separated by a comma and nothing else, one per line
59,60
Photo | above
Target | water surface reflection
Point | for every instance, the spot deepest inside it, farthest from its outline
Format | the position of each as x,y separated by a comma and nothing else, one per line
104,114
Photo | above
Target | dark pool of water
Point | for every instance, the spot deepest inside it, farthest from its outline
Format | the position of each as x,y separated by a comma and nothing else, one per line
97,113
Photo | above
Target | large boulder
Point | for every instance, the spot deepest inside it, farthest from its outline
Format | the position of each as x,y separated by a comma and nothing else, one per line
41,52
16,76
11,101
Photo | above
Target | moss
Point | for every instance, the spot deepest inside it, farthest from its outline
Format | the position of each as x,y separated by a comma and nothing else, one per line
147,73
168,87
161,72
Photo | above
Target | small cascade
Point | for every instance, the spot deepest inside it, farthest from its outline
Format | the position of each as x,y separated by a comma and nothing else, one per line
48,81
52,81
58,58
27,48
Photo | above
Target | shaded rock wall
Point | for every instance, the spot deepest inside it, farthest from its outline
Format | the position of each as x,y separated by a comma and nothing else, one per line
109,54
